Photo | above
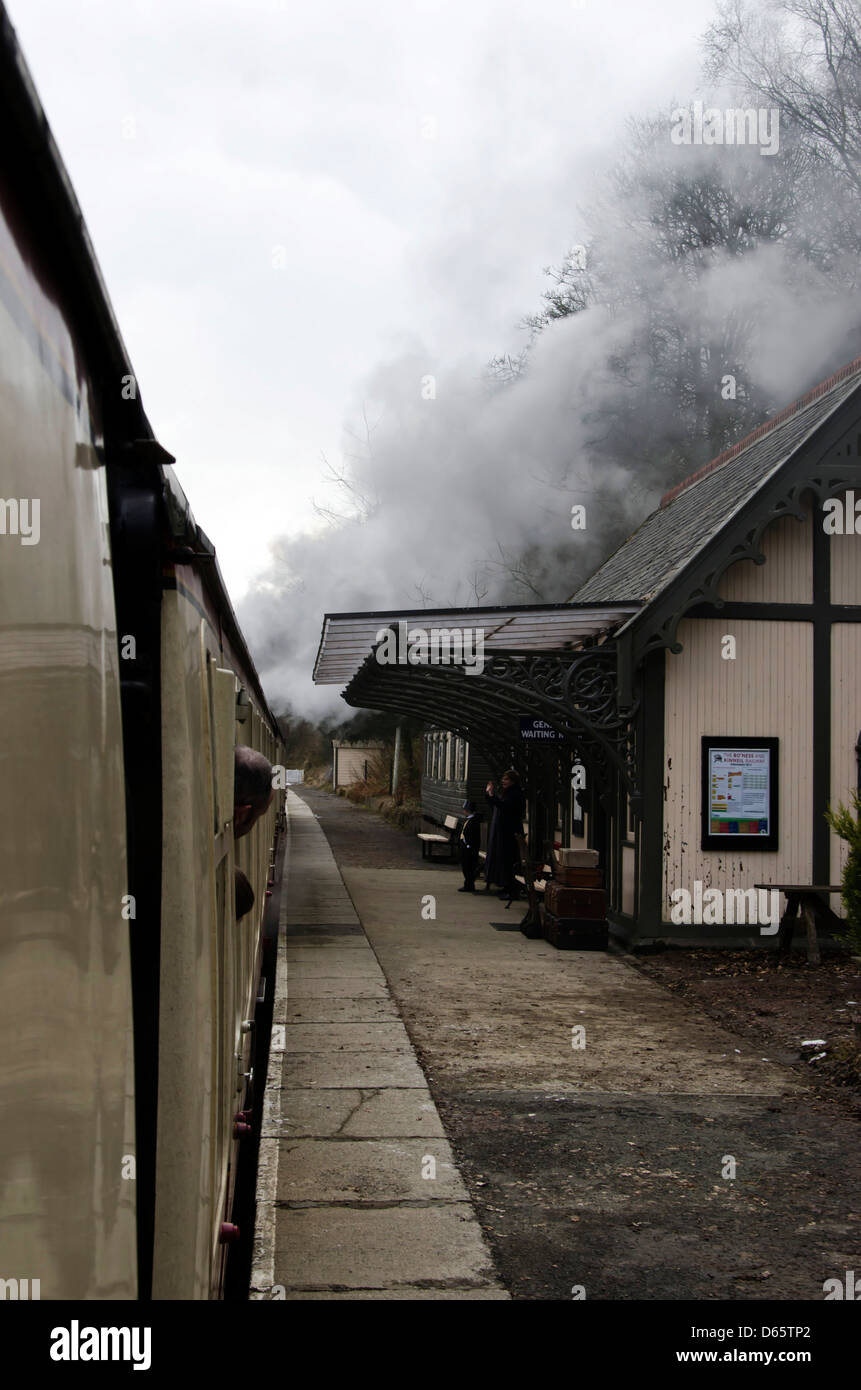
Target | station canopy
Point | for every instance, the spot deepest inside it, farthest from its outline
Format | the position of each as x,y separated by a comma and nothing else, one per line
555,663
348,639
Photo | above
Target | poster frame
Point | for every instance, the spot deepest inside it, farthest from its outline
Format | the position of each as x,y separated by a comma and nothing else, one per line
736,842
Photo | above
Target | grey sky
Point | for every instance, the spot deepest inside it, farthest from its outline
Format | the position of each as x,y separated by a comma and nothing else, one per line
282,196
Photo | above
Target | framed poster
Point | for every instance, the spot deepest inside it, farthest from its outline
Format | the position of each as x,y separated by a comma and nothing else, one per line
740,785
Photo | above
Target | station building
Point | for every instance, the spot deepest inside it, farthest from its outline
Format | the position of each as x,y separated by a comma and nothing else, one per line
704,679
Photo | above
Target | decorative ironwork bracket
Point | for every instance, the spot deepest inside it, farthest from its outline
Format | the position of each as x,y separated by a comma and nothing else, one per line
575,693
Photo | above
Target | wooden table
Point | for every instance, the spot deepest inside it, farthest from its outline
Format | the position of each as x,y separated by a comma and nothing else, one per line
806,899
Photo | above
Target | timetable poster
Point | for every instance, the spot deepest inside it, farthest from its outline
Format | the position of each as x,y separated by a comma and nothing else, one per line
740,792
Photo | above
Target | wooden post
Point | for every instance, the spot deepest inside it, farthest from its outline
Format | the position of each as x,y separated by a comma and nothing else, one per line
531,924
808,913
787,925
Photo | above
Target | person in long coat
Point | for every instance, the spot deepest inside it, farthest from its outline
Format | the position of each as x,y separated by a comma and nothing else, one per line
503,854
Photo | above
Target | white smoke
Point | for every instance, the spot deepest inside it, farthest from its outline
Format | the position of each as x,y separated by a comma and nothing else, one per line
456,487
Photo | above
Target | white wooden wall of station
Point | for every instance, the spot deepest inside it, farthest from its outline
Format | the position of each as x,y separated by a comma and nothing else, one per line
767,690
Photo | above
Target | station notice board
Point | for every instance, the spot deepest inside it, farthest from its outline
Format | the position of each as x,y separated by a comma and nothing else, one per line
740,784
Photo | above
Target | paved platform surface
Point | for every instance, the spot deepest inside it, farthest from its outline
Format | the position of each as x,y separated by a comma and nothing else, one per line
359,1194
599,1167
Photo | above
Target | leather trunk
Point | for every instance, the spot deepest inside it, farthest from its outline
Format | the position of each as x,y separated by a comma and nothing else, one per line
578,878
575,902
575,933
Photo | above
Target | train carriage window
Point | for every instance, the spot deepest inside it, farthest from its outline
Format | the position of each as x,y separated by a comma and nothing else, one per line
461,760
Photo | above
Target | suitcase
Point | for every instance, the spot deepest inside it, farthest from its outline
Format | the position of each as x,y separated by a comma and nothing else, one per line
575,902
578,878
575,933
578,858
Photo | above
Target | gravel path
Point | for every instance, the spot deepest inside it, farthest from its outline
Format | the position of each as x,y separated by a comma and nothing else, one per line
605,1168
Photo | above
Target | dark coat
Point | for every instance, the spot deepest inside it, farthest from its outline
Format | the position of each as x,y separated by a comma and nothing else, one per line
507,824
470,835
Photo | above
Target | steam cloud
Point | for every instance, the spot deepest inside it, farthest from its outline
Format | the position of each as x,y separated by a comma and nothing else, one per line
458,487
462,491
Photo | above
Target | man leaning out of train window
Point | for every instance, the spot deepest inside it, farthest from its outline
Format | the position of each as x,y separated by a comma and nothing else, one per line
252,794
252,789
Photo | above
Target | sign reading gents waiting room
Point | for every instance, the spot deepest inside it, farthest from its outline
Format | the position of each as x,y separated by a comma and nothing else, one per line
538,730
739,792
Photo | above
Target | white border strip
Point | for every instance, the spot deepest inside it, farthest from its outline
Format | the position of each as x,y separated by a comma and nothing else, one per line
263,1258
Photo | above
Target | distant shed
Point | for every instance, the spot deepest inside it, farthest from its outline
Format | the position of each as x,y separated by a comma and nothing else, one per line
351,761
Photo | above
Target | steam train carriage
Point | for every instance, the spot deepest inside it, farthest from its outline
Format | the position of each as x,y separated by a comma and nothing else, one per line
128,990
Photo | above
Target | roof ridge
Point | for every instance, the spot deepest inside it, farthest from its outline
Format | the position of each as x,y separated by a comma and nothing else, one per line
788,411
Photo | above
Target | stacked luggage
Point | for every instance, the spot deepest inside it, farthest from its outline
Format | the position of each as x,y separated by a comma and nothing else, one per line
575,904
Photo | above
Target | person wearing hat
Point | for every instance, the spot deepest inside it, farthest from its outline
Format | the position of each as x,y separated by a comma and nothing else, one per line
470,843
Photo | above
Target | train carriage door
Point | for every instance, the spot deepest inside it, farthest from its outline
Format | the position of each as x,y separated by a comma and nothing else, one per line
220,697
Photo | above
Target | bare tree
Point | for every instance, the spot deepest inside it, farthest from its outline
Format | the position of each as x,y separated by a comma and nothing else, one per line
362,506
804,57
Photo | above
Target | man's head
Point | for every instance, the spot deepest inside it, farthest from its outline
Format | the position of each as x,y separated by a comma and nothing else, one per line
252,788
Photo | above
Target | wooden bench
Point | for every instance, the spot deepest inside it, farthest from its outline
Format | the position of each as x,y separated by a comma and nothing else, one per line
448,841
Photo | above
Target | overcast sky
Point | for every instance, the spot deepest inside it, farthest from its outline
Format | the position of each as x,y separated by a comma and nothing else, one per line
283,195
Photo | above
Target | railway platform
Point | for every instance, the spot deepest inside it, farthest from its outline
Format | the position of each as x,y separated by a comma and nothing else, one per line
358,1193
595,1164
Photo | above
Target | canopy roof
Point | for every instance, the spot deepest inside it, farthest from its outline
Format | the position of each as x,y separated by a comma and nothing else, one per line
348,638
555,662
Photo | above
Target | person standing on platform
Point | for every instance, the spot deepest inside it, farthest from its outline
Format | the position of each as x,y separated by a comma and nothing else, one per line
509,808
470,843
